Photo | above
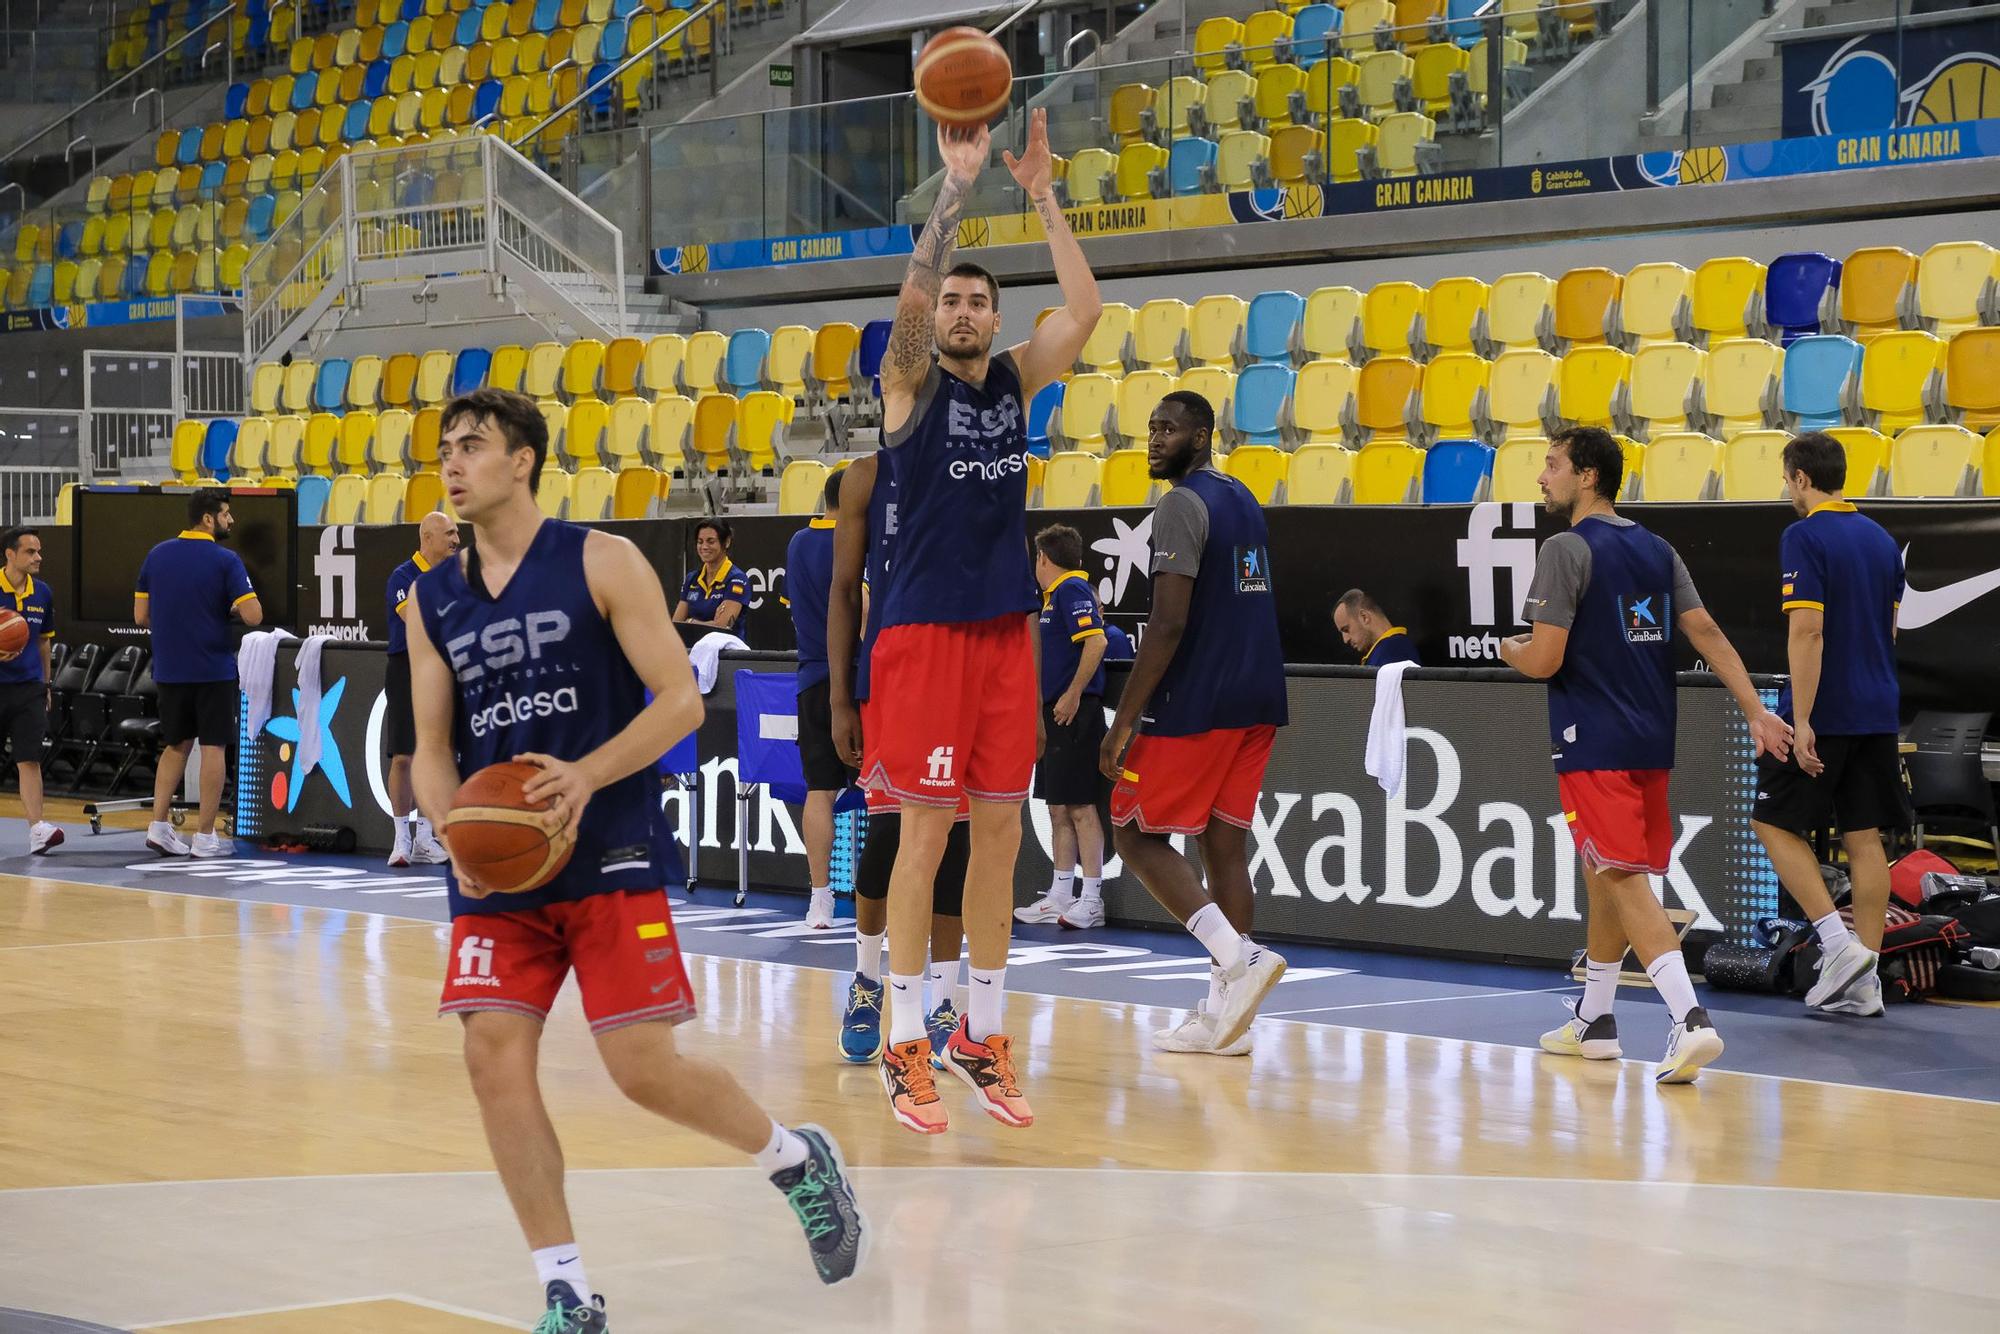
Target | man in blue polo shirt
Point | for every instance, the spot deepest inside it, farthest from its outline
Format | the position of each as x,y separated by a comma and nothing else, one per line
1842,582
188,589
808,581
1366,629
24,678
437,540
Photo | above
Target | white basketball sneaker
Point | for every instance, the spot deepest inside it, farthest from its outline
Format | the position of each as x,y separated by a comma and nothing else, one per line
161,838
819,911
1839,971
1196,1033
208,846
1244,990
43,837
425,850
1084,914
1044,910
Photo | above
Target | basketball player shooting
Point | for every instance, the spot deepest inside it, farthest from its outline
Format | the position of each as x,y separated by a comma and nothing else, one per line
538,643
953,671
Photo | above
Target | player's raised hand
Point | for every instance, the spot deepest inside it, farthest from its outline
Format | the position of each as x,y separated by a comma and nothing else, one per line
1033,169
964,149
564,784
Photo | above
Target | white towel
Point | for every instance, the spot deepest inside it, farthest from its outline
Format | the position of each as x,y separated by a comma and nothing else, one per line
310,740
1386,735
256,664
706,656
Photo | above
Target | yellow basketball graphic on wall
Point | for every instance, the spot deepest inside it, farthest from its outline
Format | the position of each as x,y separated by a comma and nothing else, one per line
1966,89
972,232
1303,201
1704,166
694,259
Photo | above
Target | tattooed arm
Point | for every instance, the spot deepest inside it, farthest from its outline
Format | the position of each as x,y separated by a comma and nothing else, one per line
911,342
1056,343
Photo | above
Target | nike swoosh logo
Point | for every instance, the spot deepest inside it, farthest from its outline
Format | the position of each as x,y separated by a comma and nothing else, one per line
444,607
662,986
1923,606
984,981
572,1260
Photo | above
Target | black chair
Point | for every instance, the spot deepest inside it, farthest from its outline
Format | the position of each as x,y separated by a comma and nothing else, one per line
58,655
1948,787
89,719
135,732
78,673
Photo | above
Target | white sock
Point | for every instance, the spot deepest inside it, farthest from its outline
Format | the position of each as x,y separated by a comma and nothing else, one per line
940,983
402,829
1216,935
1670,974
1093,887
983,1002
1600,988
1833,932
785,1150
1214,1001
822,889
868,955
1063,888
563,1264
906,1007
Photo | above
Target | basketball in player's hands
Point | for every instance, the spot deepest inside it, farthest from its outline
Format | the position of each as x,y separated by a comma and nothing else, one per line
14,634
503,842
963,78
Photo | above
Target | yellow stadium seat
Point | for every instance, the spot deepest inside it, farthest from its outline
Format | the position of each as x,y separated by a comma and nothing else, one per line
1386,394
246,456
364,382
582,363
1332,323
670,432
1753,466
1346,136
1231,98
433,378
1212,42
543,372
267,383
1404,135
345,498
1583,303
1126,479
383,501
1901,375
1160,334
591,490
1092,172
281,456
1680,466
1239,155
399,380
1273,98
1262,468
660,372
583,434
625,433
1360,22
1972,379
701,365
802,486
1380,74
1875,288
1296,154
1521,394
1084,415
1740,385
1989,467
1430,80
555,416
1657,306
1517,469
184,451
1453,394
1452,309
1071,480
389,451
1388,472
1956,287
1590,385
1137,395
1215,330
1389,318
833,353
426,427
638,492
1104,350
785,364
299,377
1867,459
1214,384
1129,111
1175,99
1319,474
1262,31
1934,461
1141,172
1323,401
1727,300
763,421
357,433
1520,311
1666,388
553,495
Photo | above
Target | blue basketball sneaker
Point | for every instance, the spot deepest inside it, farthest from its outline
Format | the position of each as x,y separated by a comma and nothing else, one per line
861,1024
942,1023
822,1199
566,1315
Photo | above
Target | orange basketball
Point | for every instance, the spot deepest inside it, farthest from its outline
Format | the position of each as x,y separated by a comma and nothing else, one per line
14,634
963,77
498,837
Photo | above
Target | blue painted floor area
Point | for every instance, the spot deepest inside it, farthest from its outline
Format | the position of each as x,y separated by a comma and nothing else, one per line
1947,1050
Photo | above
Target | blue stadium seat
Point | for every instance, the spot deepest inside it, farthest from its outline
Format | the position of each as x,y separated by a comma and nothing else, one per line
548,15
355,127
303,88
1794,287
212,177
216,446
42,286
611,46
1460,25
1188,163
1311,27
395,39
1818,368
625,9
469,371
1455,470
874,342
603,85
468,26
743,363
1047,399
330,388
1267,329
258,221
375,81
234,99
69,240
188,152
1261,391
486,101
134,285
417,189
312,498
412,10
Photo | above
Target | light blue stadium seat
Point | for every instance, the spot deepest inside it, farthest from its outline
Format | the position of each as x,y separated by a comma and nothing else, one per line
258,222
611,46
1189,162
468,26
743,363
355,127
1043,406
42,285
1267,329
1455,471
1311,27
1818,369
216,446
312,498
1460,26
548,15
469,371
1794,287
188,152
395,39
212,177
303,88
625,9
330,388
1261,392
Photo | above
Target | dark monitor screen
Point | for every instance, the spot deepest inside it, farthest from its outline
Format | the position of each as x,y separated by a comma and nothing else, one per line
117,526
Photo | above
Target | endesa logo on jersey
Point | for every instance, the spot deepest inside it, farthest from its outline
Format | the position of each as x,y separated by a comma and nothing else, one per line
511,709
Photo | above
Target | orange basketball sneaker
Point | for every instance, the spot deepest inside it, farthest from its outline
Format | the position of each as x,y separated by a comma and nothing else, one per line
988,1068
912,1086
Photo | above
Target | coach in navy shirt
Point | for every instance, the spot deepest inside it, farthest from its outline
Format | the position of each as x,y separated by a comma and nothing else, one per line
416,842
1841,582
1066,775
1366,629
717,595
188,589
808,583
24,678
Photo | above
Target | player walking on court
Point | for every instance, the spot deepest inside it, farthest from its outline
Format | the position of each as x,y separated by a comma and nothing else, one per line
1209,687
954,664
539,643
1605,600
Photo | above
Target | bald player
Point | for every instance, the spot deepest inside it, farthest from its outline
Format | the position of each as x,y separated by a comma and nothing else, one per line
437,540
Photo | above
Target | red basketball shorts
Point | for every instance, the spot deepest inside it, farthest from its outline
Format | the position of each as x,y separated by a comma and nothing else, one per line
621,944
954,708
1619,818
1177,784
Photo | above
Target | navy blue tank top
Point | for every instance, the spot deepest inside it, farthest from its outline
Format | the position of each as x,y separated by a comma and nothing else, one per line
539,669
961,465
1611,704
882,518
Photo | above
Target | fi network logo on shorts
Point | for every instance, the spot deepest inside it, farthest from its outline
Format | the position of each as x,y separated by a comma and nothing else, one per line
939,767
475,963
286,788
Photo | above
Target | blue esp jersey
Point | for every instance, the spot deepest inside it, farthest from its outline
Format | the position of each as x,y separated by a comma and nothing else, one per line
1229,671
191,584
1395,645
1843,563
401,584
808,584
1617,588
35,601
705,596
539,669
882,518
961,465
1070,616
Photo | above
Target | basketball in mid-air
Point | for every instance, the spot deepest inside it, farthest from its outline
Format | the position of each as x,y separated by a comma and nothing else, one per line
963,78
499,837
14,634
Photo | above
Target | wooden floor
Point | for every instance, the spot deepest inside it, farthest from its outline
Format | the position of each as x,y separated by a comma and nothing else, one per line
214,1109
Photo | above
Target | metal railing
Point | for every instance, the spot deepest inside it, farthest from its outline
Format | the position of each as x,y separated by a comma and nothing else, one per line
288,272
28,494
646,53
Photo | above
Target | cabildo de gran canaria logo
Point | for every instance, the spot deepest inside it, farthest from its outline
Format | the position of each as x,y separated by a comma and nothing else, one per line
286,787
